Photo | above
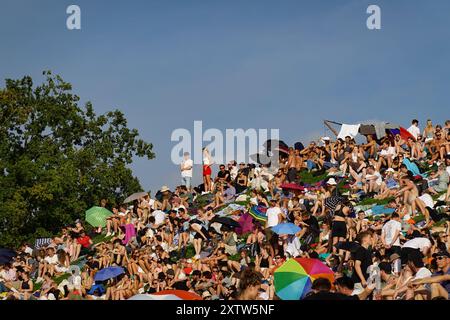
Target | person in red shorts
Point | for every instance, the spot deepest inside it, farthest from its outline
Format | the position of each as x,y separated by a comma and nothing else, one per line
207,163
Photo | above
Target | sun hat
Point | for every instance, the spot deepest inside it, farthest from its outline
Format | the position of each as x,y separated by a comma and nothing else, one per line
324,139
332,182
165,188
206,294
393,257
390,170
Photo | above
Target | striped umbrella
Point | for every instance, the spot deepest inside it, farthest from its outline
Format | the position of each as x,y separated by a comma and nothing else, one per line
293,279
96,216
258,213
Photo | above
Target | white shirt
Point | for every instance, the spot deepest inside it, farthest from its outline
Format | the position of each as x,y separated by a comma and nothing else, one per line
388,151
448,170
187,163
389,230
233,172
427,199
51,260
423,273
272,216
28,250
293,247
417,243
379,179
415,131
160,216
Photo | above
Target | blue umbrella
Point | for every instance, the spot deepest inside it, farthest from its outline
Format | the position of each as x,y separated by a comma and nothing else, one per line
108,273
286,228
6,256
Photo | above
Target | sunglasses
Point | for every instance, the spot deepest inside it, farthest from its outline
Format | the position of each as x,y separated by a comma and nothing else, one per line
440,258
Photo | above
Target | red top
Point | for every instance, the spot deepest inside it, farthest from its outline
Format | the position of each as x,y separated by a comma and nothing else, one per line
84,241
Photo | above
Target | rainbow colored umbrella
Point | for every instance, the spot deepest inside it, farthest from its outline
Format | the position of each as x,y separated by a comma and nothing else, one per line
258,213
293,279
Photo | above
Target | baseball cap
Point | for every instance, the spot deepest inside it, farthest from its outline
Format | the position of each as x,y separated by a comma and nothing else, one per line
441,254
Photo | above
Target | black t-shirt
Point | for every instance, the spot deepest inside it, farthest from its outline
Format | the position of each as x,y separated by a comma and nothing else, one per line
223,174
365,256
324,295
181,285
313,225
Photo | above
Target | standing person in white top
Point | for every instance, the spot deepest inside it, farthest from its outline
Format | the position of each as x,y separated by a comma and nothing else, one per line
274,214
186,170
274,217
414,129
390,237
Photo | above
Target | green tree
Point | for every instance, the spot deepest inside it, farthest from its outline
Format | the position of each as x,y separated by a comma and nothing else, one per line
57,158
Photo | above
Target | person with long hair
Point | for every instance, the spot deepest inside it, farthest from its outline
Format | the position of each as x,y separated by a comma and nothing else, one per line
207,163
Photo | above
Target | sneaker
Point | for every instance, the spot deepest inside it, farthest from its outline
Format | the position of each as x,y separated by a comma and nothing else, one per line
108,234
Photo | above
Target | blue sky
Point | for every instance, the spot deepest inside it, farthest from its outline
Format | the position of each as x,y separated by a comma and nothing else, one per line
236,64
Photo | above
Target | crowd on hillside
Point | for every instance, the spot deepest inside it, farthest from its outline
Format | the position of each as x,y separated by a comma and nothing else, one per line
375,213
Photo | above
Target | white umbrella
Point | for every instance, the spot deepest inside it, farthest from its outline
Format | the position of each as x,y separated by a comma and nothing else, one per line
135,196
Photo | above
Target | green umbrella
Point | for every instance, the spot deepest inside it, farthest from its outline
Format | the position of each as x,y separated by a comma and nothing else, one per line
96,216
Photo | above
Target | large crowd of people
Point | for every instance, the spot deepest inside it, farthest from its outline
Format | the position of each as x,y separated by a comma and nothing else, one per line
376,213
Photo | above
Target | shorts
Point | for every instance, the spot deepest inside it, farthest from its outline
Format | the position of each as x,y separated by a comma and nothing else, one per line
406,251
186,181
392,250
292,174
206,170
339,229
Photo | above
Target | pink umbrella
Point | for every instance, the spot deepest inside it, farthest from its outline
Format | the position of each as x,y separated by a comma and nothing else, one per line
246,224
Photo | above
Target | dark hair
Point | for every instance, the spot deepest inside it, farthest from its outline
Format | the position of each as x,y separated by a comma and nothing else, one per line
345,282
361,236
395,215
321,284
249,278
385,266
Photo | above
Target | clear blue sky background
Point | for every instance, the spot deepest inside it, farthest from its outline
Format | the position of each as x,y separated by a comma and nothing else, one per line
236,64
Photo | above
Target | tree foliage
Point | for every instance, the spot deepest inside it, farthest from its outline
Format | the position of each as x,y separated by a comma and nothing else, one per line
57,158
